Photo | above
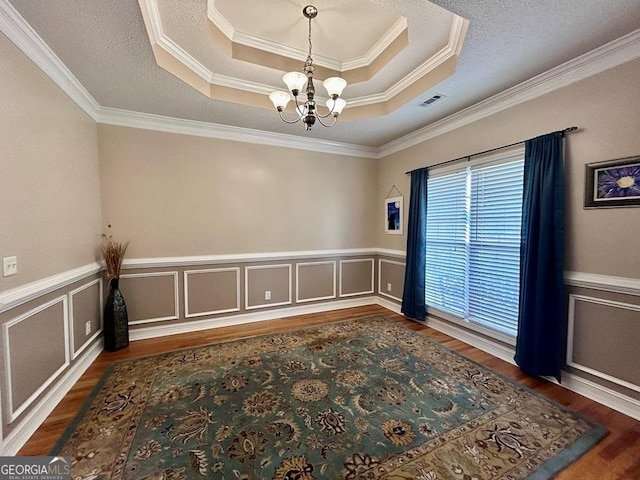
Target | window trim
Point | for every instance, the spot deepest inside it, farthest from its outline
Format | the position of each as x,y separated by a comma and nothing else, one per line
504,155
474,326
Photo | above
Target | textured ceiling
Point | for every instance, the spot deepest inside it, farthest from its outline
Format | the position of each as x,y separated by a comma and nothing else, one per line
383,68
104,43
282,22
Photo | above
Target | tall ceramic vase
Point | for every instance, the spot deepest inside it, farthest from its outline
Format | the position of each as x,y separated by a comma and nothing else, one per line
116,321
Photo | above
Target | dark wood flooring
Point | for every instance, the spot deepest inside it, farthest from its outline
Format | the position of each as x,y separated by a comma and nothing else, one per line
616,457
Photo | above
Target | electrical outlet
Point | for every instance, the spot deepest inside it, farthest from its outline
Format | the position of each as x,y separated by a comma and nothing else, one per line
388,287
267,295
87,328
10,266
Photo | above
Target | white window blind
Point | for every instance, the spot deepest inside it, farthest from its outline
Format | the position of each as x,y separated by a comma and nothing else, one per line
473,244
447,240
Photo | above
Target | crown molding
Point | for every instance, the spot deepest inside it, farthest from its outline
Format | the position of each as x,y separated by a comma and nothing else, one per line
456,38
171,47
608,56
283,50
156,33
380,46
219,20
26,39
439,58
126,118
320,60
254,41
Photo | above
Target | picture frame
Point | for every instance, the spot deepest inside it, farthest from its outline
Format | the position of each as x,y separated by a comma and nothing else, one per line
393,219
614,183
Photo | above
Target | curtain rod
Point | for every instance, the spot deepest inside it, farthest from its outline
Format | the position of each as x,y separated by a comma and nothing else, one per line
468,157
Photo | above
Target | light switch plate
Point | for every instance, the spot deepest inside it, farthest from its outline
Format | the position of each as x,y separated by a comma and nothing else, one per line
9,266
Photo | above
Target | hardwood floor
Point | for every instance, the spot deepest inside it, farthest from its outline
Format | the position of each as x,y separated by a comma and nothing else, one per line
617,457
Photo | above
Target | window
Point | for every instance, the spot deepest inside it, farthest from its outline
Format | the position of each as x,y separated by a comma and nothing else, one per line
473,243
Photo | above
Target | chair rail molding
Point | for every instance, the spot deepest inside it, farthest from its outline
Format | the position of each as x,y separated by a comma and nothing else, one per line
624,285
24,293
243,257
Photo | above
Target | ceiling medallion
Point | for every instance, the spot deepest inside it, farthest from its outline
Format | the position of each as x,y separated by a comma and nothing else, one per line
295,81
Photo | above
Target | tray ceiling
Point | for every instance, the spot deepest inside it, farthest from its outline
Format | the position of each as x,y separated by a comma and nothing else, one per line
227,48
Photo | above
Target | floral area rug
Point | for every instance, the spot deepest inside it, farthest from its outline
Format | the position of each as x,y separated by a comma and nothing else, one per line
364,399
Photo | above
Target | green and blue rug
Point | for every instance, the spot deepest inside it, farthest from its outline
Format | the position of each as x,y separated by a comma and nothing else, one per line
364,399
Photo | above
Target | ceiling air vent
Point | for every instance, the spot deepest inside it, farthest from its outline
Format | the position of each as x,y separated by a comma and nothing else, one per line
430,101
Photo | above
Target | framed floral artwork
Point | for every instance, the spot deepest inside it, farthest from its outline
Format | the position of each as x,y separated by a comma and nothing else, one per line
615,183
393,215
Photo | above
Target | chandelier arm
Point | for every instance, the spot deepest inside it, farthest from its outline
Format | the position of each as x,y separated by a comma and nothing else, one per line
282,117
324,116
301,109
308,111
328,114
319,118
333,107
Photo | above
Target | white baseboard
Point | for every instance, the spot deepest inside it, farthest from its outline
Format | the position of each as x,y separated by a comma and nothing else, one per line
194,326
601,394
482,343
30,423
388,304
587,388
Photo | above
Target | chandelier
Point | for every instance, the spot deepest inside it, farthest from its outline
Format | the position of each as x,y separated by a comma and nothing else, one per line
295,81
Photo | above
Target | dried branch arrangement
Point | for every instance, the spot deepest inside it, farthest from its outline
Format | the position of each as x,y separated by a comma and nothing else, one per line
113,254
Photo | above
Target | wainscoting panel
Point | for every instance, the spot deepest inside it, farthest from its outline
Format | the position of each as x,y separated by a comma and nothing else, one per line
85,309
603,339
211,291
36,351
391,278
315,281
45,347
150,297
262,281
356,277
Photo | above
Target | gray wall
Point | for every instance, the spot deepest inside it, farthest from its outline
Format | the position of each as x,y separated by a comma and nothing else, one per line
601,242
605,107
159,296
51,220
174,195
42,339
50,195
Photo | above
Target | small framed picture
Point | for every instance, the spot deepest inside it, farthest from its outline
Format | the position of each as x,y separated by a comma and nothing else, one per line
615,183
393,216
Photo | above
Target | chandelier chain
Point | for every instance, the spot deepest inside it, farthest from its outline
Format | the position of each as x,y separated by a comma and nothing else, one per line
309,54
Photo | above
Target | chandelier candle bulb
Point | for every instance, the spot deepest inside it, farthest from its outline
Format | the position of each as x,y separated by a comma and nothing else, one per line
280,99
336,106
302,83
294,81
334,86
